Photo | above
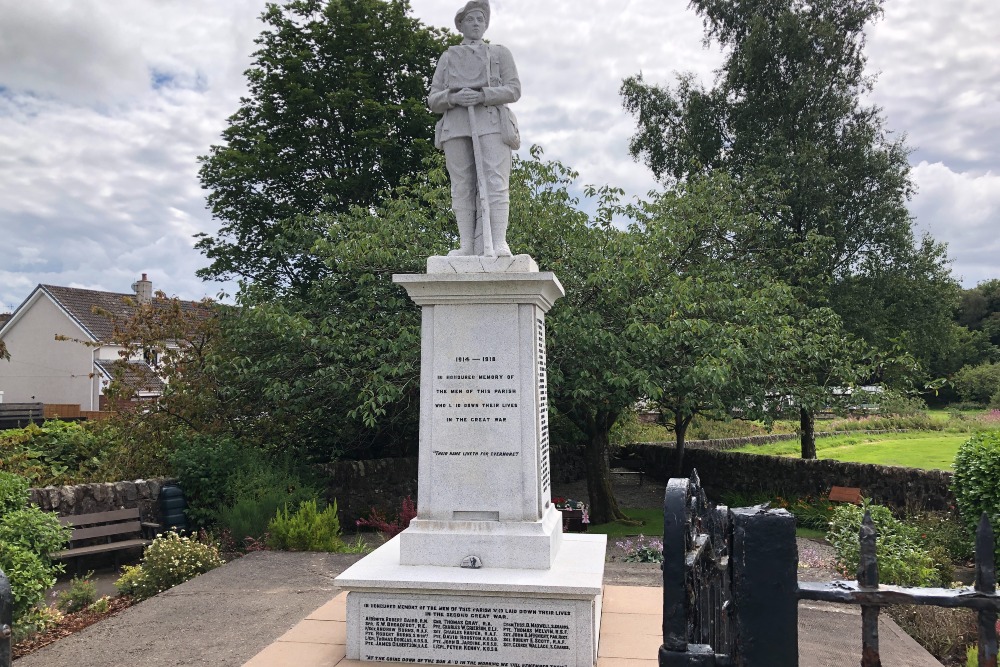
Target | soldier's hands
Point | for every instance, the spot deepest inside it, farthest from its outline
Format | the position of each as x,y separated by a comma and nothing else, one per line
467,97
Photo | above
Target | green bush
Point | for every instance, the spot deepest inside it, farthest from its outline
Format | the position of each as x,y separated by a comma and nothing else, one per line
32,529
947,532
977,384
82,593
30,576
56,452
27,538
203,465
259,489
307,529
170,560
13,492
902,560
976,482
230,484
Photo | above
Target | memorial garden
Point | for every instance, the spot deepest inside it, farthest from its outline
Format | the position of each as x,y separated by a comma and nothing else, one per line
437,344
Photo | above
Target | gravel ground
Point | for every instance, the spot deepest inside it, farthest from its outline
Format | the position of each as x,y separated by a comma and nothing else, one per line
816,557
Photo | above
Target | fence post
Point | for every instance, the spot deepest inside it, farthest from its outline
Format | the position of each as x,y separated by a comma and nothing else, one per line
868,578
765,588
986,582
6,619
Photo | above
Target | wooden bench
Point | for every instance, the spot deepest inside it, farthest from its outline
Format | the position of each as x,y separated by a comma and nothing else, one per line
845,494
104,532
628,473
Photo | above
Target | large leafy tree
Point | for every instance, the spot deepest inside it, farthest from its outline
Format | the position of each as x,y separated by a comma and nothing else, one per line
335,116
785,118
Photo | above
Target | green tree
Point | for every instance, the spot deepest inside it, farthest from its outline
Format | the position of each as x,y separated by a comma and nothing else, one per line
785,119
335,116
709,326
978,384
979,309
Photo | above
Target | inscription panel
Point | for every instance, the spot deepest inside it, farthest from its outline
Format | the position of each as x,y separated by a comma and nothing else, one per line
479,408
479,631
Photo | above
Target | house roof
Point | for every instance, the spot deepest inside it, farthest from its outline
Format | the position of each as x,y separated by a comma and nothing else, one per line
138,375
81,304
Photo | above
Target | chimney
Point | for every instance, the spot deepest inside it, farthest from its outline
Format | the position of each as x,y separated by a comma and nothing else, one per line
143,290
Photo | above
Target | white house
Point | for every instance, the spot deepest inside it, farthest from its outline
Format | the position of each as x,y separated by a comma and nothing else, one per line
60,346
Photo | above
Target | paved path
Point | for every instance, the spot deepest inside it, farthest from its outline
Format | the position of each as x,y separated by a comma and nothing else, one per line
229,615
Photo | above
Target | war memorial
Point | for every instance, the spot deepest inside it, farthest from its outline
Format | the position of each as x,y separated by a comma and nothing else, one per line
484,575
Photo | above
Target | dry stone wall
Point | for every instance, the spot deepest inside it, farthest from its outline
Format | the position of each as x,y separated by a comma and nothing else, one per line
720,471
360,485
103,497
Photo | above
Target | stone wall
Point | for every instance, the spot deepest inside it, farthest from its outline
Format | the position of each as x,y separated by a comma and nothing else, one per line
724,444
360,485
899,488
89,498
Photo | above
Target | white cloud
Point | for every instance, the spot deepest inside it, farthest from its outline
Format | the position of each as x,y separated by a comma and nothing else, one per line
106,104
963,210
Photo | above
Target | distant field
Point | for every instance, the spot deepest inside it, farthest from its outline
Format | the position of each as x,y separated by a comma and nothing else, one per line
930,450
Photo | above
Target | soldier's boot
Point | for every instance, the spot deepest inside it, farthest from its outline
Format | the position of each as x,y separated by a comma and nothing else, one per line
498,226
466,231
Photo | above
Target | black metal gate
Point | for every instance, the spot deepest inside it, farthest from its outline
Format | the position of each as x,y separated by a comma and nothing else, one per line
729,581
730,587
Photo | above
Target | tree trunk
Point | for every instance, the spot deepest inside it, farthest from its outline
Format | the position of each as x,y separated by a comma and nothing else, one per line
603,506
680,431
807,431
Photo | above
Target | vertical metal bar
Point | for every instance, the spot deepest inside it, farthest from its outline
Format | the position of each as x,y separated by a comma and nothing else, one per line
6,619
868,578
765,588
986,582
675,612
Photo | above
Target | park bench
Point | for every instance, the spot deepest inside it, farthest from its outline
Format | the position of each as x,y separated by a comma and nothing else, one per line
633,474
845,494
103,532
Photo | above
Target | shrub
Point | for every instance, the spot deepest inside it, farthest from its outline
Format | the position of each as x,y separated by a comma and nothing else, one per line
378,520
54,453
203,465
219,473
307,529
976,482
943,632
945,531
30,576
36,619
901,405
641,549
13,492
259,489
901,558
977,384
80,595
27,537
170,560
32,529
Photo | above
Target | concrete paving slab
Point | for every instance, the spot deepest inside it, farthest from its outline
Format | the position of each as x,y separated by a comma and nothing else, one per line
228,616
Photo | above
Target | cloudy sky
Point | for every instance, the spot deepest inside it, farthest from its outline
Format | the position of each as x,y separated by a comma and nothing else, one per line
106,104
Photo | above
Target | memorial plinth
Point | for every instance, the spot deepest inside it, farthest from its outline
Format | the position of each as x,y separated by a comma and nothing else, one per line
483,575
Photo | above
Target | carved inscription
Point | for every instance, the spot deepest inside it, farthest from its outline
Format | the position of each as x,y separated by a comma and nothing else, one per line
543,408
468,635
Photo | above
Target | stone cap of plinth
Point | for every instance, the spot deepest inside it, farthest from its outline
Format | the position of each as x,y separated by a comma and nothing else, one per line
481,264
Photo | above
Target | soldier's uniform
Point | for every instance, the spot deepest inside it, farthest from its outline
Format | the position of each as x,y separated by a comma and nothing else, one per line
489,68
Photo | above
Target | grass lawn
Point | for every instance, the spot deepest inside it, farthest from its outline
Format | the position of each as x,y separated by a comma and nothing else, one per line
652,525
931,450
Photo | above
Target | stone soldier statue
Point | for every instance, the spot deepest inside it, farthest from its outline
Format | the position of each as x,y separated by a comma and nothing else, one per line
473,84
